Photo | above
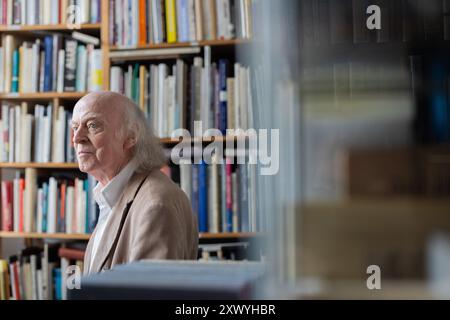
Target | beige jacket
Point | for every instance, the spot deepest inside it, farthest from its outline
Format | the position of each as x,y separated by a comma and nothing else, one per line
152,219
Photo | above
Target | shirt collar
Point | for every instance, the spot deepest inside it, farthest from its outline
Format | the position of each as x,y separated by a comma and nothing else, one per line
110,194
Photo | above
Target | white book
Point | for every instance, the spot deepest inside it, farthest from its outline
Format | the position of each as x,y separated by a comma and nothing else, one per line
64,266
40,294
119,22
170,102
12,134
70,209
186,178
54,14
41,71
81,69
81,207
45,273
84,11
60,135
88,39
60,76
9,47
9,8
180,106
237,95
39,212
46,10
206,94
126,23
47,135
2,69
147,53
18,132
160,115
52,205
116,79
135,22
243,98
35,66
23,12
30,199
31,12
156,21
96,80
191,20
26,137
33,268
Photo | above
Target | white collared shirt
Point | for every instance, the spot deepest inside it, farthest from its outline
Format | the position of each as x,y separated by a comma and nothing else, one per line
106,198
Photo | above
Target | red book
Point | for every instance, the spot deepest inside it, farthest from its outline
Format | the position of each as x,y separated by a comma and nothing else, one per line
21,204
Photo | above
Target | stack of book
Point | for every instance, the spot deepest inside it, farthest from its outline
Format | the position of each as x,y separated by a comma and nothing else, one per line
176,96
55,205
38,12
222,195
55,63
38,273
141,22
45,136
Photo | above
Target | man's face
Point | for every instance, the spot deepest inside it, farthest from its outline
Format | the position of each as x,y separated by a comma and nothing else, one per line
98,142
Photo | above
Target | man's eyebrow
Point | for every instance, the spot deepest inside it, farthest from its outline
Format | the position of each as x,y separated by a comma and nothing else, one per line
87,118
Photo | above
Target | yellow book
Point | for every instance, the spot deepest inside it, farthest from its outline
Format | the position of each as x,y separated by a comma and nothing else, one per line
4,281
142,76
171,22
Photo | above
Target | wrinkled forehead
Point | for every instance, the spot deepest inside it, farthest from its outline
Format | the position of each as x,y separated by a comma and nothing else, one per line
102,105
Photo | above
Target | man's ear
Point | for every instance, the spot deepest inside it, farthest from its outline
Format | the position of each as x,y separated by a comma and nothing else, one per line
130,142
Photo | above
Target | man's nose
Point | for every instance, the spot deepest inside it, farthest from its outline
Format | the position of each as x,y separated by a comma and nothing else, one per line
79,136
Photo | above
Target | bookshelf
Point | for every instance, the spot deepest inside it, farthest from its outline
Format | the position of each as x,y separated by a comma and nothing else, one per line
102,31
78,236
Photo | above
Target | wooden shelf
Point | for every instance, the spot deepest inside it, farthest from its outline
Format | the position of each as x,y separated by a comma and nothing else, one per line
76,236
203,43
39,165
35,235
48,27
42,95
228,235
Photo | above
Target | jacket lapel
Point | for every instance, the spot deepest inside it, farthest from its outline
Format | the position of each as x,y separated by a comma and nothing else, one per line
114,223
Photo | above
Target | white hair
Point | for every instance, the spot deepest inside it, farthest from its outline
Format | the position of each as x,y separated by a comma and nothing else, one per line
148,152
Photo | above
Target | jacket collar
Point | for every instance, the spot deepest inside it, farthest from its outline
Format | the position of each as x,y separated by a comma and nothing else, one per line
114,224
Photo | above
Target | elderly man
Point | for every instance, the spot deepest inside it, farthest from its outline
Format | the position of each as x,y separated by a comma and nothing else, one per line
143,214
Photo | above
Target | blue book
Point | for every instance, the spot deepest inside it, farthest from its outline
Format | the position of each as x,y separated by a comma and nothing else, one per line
15,71
203,197
243,198
57,279
45,207
438,105
223,69
48,64
194,191
182,20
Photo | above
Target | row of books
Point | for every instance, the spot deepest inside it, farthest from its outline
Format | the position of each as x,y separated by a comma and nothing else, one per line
44,136
54,205
56,63
217,94
38,273
327,22
222,195
140,22
45,12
